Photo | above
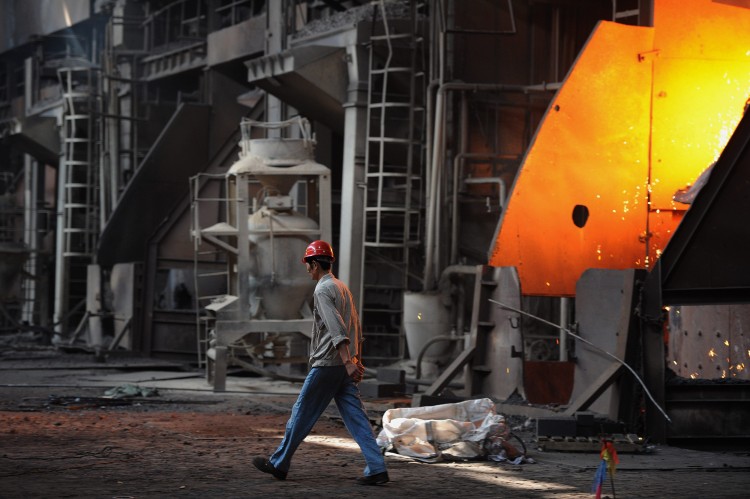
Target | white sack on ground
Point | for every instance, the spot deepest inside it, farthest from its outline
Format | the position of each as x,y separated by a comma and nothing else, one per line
454,430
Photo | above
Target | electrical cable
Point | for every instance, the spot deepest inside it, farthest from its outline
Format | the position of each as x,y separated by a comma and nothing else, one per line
520,440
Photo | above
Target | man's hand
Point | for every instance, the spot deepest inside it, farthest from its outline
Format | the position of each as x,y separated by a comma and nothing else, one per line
355,370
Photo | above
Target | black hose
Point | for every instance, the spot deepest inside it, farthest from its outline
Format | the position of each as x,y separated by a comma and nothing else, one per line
519,441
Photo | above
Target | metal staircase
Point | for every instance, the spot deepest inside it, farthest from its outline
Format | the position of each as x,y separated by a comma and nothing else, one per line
78,192
393,162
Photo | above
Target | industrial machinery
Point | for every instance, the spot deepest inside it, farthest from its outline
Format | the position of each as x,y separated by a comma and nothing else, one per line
592,210
276,199
523,152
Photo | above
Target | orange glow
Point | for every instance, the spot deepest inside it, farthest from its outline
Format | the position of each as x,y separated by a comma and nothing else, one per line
640,115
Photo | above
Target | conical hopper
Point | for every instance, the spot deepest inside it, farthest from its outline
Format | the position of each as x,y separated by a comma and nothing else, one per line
268,161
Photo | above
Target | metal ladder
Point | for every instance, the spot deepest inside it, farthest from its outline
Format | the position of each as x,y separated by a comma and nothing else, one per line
626,12
393,175
79,190
209,263
122,94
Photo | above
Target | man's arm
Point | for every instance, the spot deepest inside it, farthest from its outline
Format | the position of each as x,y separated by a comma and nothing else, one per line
334,323
354,368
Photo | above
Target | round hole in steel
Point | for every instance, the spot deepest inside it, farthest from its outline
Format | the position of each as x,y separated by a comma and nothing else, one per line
580,215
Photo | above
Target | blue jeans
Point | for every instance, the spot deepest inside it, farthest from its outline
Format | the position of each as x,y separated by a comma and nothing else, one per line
321,385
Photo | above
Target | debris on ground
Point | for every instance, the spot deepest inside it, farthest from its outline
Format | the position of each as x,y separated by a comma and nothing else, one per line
130,390
471,429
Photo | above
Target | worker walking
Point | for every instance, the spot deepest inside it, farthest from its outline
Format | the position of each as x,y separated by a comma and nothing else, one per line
335,354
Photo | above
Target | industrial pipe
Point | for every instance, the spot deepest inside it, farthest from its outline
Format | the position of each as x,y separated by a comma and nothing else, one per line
429,343
436,165
564,328
31,231
273,249
448,271
457,269
456,174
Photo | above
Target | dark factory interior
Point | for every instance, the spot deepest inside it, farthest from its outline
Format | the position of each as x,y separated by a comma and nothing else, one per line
540,199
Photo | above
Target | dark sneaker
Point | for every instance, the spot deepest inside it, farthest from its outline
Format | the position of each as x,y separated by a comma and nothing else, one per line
265,466
378,479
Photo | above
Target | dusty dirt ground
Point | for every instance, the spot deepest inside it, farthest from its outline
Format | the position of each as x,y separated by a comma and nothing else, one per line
68,446
58,438
151,452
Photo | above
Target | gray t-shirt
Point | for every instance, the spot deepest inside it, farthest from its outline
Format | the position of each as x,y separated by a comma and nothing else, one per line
335,320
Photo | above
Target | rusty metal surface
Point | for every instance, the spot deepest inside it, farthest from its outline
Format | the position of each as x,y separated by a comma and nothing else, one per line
548,382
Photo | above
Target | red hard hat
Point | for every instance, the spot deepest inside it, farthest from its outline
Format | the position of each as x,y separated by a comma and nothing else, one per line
318,248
